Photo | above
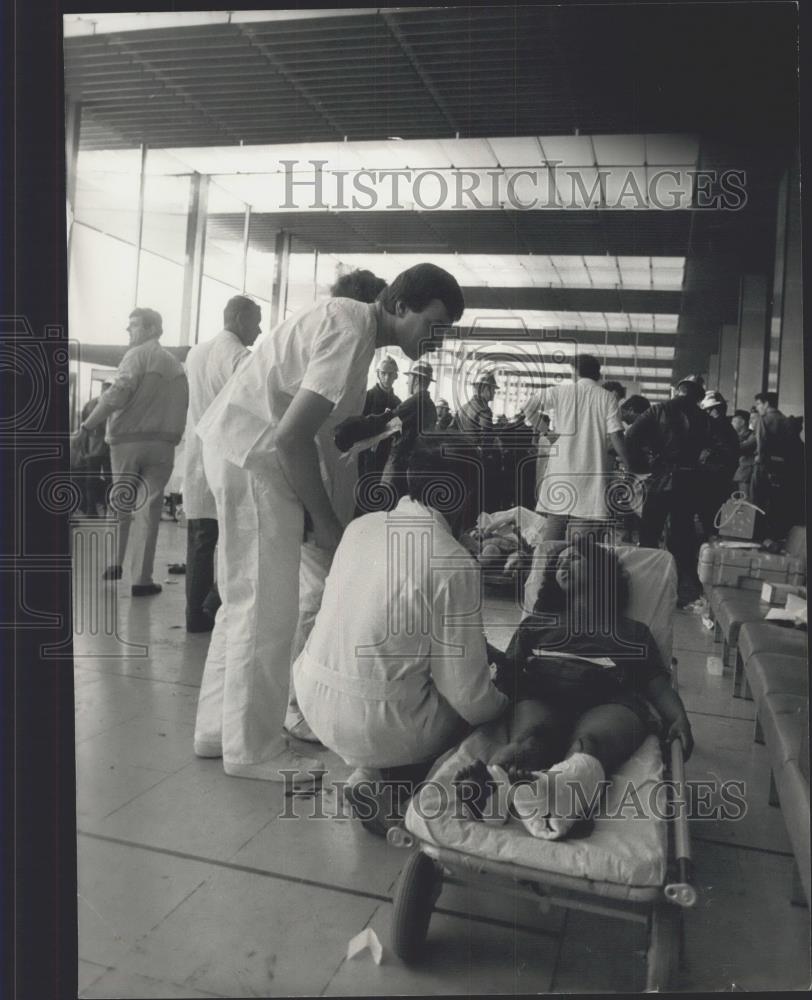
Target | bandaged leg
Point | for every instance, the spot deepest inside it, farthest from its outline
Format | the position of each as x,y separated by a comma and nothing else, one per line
550,805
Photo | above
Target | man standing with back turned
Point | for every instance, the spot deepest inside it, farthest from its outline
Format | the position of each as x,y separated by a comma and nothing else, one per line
145,410
209,366
587,420
262,440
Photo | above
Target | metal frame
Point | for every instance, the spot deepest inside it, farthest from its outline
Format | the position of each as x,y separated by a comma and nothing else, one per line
639,904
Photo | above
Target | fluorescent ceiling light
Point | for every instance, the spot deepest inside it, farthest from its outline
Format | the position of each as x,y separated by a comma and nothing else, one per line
75,25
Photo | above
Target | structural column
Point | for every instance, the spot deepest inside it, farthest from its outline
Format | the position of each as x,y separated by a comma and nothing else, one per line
279,292
791,366
195,248
728,360
753,332
73,124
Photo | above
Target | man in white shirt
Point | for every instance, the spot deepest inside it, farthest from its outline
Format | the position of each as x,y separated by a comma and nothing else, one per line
266,439
578,472
395,667
208,367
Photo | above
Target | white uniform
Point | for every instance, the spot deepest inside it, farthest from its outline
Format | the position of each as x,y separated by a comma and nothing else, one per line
208,367
327,349
396,659
577,473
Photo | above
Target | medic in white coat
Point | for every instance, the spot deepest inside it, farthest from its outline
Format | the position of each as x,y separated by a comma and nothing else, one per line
261,461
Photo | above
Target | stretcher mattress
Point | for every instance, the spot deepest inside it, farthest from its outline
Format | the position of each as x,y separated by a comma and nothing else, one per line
626,847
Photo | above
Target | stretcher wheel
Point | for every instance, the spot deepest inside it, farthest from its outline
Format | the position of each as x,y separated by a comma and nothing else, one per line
416,893
664,947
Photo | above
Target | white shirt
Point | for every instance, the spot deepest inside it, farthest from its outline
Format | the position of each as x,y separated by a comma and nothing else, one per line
578,473
326,348
397,653
208,367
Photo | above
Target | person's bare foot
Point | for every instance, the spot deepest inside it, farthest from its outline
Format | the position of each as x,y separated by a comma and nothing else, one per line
473,786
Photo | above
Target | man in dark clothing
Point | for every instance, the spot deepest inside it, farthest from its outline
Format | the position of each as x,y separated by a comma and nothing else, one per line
418,416
475,414
719,459
667,441
475,419
445,418
379,399
778,471
90,457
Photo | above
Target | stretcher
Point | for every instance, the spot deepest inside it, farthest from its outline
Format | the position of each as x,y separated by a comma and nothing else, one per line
631,865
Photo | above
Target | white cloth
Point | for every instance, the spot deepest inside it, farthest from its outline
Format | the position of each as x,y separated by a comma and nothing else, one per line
578,470
208,367
396,658
244,692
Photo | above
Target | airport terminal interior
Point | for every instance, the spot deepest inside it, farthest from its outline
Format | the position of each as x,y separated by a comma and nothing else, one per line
616,182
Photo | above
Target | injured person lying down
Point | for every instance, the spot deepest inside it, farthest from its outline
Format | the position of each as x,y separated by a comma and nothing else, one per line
582,679
396,668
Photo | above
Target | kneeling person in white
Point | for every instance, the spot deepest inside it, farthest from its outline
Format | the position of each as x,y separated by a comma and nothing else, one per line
395,668
262,439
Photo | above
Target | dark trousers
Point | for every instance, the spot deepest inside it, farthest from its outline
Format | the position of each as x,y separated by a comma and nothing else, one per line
201,540
677,505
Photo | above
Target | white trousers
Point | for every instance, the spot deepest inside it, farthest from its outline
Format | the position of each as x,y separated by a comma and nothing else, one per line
244,691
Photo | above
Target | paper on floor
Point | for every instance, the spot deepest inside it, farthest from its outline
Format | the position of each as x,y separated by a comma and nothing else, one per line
366,939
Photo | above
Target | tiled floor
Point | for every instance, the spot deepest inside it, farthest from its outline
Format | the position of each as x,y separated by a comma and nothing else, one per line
192,885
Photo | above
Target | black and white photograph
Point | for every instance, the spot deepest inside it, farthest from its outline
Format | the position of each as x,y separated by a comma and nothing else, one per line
406,575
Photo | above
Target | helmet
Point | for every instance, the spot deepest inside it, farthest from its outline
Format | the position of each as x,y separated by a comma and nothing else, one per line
713,398
487,378
422,368
696,380
388,364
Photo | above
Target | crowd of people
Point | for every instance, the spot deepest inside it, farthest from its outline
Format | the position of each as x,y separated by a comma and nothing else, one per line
322,498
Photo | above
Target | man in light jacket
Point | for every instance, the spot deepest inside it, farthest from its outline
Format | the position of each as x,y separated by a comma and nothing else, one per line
209,366
145,410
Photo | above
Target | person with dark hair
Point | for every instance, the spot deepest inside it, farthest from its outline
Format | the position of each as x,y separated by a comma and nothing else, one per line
667,441
145,413
390,699
631,408
578,470
208,367
269,456
581,688
778,469
742,477
361,285
617,389
416,288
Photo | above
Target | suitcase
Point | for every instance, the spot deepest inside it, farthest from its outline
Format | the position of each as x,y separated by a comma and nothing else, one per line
748,569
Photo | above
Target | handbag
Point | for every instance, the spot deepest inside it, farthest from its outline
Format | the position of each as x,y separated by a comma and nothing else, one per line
567,676
736,518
